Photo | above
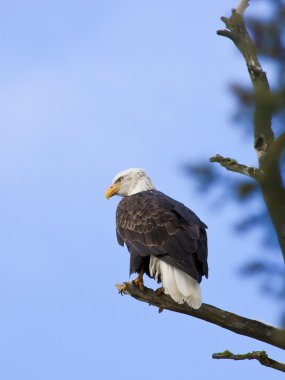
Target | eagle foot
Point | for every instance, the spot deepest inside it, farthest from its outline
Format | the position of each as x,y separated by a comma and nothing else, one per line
159,291
122,289
138,282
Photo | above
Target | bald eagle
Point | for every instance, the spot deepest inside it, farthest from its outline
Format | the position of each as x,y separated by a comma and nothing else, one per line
166,240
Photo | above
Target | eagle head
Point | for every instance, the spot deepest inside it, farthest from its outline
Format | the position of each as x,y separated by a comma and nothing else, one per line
128,182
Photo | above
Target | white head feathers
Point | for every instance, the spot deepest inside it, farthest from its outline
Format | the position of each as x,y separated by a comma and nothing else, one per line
132,181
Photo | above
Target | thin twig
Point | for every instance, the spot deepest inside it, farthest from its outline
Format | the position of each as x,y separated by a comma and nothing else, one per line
233,166
212,314
261,356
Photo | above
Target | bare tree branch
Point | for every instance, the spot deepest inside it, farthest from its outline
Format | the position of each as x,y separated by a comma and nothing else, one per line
267,149
263,134
261,356
233,166
230,321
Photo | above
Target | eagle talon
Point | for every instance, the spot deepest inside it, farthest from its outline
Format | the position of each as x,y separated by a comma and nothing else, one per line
122,289
138,283
159,291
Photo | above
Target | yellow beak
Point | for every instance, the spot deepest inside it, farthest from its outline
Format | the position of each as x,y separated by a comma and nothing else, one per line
112,190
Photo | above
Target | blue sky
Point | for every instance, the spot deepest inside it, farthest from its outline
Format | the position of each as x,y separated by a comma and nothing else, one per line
88,89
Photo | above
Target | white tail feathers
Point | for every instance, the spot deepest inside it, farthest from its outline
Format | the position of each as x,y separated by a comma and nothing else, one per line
179,285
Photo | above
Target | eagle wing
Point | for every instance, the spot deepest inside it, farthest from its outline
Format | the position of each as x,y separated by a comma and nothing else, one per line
151,223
